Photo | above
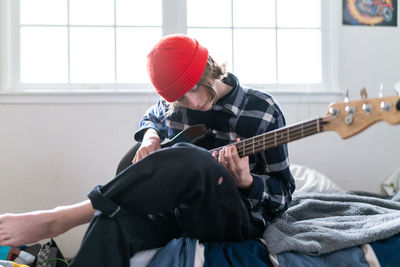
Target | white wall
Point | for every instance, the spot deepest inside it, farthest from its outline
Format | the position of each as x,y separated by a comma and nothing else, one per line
54,153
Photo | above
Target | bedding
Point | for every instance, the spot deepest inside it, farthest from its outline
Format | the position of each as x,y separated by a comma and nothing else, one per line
309,180
361,248
318,223
254,253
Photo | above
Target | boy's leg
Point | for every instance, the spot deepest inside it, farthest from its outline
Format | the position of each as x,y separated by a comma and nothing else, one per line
113,241
184,181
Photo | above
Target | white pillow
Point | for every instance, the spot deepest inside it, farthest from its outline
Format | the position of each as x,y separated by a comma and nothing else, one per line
311,181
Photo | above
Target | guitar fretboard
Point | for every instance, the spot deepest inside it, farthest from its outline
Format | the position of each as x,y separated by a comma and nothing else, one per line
277,137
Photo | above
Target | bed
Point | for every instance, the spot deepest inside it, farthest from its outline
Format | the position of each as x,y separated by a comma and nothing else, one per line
352,229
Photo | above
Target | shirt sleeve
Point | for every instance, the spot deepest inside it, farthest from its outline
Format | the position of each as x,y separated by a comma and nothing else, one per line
273,184
153,118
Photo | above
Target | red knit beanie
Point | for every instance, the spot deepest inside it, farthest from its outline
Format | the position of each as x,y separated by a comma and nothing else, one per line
175,65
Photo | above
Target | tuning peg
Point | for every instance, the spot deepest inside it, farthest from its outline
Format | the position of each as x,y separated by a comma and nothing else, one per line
363,93
386,106
381,90
367,108
397,87
346,96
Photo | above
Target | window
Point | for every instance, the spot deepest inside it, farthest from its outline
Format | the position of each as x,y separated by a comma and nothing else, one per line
264,41
103,44
86,43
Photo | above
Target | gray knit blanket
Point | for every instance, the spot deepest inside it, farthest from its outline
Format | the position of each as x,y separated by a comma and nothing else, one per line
321,223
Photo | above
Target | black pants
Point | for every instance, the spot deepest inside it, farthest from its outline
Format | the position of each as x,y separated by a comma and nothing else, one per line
178,191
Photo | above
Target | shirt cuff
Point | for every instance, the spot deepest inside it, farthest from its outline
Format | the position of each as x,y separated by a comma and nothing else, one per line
140,133
256,189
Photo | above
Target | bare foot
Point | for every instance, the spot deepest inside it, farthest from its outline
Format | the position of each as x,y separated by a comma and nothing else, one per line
30,227
26,228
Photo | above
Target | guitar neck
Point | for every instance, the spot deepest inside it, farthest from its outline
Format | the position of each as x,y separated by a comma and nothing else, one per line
347,119
278,137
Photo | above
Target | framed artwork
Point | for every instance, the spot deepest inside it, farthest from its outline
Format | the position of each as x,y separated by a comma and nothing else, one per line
370,12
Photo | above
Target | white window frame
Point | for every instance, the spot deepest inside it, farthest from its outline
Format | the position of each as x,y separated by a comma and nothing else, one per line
328,56
174,21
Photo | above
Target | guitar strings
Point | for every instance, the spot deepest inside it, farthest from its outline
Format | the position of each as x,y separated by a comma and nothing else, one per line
279,136
282,137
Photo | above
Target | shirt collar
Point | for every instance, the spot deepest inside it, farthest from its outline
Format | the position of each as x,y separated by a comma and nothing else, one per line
234,100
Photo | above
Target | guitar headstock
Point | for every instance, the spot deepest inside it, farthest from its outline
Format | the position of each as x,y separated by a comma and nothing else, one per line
351,117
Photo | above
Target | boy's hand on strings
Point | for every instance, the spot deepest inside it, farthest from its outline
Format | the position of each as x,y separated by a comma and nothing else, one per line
238,167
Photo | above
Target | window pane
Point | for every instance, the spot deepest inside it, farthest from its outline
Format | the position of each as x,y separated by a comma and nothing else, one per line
92,55
217,41
139,12
43,12
91,12
209,13
254,55
254,13
133,45
295,13
44,55
299,56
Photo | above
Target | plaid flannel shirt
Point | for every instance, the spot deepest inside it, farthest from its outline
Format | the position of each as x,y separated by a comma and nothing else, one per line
241,113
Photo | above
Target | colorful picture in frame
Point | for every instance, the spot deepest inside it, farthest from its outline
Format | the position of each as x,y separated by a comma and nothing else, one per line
370,12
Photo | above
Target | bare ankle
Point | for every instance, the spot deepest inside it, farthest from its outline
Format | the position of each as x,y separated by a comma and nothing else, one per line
56,222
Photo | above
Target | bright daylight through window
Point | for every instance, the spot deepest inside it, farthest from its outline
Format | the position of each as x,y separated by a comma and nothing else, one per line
89,42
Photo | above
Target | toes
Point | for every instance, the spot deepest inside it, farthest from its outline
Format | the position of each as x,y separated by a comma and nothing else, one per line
5,242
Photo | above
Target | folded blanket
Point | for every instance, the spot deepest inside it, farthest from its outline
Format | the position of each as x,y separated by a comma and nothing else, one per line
321,223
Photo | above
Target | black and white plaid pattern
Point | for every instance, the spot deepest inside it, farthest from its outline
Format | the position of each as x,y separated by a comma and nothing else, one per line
241,113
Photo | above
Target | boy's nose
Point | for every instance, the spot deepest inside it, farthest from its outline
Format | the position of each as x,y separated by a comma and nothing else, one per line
192,101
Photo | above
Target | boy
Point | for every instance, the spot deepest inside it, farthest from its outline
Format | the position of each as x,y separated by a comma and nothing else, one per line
183,190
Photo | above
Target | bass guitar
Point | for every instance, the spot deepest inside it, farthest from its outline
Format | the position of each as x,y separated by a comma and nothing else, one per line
347,118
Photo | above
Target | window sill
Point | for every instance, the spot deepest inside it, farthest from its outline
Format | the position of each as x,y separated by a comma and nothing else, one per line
141,96
77,97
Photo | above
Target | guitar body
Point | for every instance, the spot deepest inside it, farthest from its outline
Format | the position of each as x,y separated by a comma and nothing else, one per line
196,134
